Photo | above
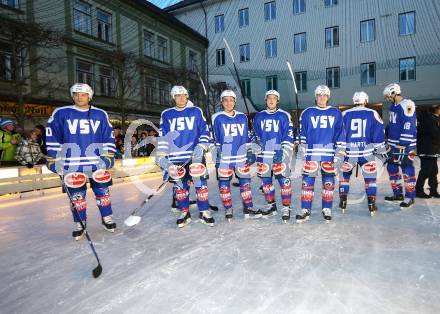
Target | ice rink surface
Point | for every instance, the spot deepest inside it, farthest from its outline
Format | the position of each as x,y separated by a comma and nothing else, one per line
389,263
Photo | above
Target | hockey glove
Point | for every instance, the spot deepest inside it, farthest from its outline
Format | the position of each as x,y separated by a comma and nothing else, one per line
399,154
382,152
300,150
339,158
163,163
51,164
251,157
198,153
107,161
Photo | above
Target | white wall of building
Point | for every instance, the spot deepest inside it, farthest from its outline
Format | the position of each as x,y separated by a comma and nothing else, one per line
385,50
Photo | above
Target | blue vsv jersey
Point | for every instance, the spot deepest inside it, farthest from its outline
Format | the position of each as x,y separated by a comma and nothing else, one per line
364,130
402,129
79,136
231,137
274,131
322,131
180,131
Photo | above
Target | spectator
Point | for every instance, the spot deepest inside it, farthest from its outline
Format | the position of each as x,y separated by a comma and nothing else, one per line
29,151
428,145
152,143
134,142
119,138
9,140
142,152
41,137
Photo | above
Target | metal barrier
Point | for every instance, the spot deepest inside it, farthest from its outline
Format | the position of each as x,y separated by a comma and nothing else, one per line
22,179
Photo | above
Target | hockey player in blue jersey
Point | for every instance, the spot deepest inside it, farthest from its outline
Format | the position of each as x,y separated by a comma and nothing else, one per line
402,139
81,145
234,155
365,138
323,148
183,140
274,130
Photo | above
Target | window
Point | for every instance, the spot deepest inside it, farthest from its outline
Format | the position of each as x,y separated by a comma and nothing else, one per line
271,48
245,53
407,68
243,17
332,37
104,25
407,23
106,81
272,82
148,44
368,30
219,23
7,67
220,53
270,11
329,3
10,3
162,49
246,86
299,6
192,61
368,74
301,81
150,88
299,43
84,73
82,17
333,77
164,92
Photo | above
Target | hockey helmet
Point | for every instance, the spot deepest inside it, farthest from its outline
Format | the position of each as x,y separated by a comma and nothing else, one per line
391,89
322,90
227,93
81,88
178,90
272,92
360,98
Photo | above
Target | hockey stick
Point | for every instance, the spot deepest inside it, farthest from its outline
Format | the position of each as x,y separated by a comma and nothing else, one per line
238,78
134,218
418,155
296,99
98,269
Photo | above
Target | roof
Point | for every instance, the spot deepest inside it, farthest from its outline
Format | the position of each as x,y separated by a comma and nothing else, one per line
170,19
181,4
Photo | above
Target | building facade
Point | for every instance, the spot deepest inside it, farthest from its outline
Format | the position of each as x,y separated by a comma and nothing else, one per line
130,52
349,45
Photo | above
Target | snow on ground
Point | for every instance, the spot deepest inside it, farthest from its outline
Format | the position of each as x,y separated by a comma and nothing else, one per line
355,264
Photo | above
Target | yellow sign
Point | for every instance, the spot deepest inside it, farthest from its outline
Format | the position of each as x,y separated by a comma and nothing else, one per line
34,110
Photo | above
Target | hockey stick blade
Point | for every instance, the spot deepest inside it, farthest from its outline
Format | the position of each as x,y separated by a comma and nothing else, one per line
97,271
213,207
132,220
356,200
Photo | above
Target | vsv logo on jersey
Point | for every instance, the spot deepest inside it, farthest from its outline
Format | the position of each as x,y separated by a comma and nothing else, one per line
84,126
233,129
323,121
270,125
182,123
393,117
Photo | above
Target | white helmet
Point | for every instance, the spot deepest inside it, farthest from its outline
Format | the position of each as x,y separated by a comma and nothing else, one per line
390,89
272,92
178,90
360,98
322,90
227,93
81,88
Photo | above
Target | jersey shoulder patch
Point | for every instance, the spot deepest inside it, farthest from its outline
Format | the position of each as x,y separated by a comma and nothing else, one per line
408,107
